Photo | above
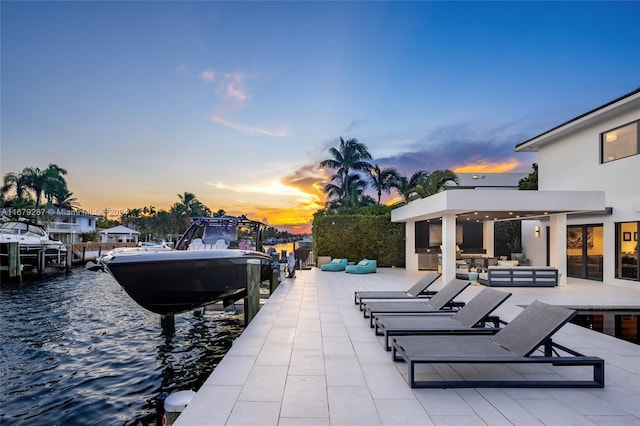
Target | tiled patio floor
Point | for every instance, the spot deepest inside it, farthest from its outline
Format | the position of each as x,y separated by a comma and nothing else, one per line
310,358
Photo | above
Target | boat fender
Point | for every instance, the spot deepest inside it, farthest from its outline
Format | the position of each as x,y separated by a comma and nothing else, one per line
175,404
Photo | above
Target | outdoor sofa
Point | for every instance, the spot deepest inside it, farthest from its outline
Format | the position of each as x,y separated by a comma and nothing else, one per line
335,265
365,266
519,276
519,342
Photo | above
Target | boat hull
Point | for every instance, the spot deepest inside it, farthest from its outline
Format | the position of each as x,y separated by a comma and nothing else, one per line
169,282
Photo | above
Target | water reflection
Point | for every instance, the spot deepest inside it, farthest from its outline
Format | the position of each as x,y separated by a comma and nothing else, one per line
76,350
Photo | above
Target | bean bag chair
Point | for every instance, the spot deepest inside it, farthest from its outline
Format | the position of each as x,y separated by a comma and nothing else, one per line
334,265
365,266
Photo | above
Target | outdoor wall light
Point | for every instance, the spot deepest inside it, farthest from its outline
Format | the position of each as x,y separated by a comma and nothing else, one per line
537,231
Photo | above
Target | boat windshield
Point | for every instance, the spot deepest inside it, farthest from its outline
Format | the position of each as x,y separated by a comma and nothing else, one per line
213,234
20,228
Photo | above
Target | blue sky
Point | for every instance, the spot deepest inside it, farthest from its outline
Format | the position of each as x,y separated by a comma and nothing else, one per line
238,102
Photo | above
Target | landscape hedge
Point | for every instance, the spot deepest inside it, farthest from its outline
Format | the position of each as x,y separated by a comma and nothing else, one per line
358,237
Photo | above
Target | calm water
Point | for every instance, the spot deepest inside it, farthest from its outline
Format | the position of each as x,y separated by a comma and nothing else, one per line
76,350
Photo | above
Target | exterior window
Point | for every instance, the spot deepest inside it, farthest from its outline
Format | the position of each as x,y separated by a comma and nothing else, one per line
620,142
627,266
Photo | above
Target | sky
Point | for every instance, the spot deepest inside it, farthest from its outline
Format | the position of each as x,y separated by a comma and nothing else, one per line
238,102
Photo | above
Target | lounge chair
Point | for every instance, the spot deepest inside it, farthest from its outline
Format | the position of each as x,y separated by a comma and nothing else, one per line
471,319
365,266
334,265
419,289
441,302
515,343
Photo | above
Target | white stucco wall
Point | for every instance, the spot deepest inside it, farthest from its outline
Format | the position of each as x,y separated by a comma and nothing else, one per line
574,164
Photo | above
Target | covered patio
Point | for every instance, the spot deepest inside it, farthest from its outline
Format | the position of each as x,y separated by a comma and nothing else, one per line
456,206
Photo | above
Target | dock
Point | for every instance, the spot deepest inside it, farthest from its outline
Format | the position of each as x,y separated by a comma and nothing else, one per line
310,358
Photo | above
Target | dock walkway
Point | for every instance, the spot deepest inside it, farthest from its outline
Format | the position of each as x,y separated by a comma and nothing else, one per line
310,358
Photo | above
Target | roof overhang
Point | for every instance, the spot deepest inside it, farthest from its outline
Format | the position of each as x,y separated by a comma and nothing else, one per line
614,108
489,205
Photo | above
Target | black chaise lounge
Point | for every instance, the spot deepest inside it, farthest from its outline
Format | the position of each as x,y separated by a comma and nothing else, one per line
473,318
419,289
516,343
441,302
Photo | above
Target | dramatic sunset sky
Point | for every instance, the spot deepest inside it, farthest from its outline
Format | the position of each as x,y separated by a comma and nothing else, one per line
238,102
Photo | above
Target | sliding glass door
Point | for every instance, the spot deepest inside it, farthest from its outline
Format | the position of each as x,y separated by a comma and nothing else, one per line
585,248
627,265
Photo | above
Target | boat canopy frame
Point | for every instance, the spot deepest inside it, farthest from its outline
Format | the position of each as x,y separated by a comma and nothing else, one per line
228,224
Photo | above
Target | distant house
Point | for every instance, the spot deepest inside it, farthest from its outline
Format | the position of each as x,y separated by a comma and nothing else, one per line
62,224
584,219
67,225
119,234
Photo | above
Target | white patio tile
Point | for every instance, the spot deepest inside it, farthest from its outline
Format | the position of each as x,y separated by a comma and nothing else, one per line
405,412
343,371
337,346
307,340
385,383
265,383
254,414
304,421
487,412
199,412
443,402
350,406
454,420
305,396
232,370
554,412
306,362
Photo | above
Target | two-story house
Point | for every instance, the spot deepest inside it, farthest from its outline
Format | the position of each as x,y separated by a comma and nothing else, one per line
585,215
67,225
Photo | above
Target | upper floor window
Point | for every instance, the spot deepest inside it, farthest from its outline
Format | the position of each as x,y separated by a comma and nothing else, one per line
620,142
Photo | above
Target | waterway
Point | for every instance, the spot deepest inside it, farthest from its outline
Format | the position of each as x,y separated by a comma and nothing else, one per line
76,350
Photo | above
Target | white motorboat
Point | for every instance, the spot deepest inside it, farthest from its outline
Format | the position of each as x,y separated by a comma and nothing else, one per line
33,242
207,265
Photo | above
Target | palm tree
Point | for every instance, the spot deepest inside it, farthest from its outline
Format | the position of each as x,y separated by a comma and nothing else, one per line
192,206
382,179
351,155
17,182
435,182
46,181
407,188
65,199
55,182
337,196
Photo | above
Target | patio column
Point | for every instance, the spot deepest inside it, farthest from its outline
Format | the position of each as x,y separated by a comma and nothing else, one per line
411,257
488,241
558,245
448,247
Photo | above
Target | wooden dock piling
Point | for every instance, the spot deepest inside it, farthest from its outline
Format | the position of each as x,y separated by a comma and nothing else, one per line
252,300
15,268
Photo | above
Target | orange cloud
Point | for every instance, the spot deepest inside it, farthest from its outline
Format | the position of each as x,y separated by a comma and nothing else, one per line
486,166
301,191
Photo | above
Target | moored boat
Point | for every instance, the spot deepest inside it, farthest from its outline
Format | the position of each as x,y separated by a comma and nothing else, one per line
37,250
206,266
